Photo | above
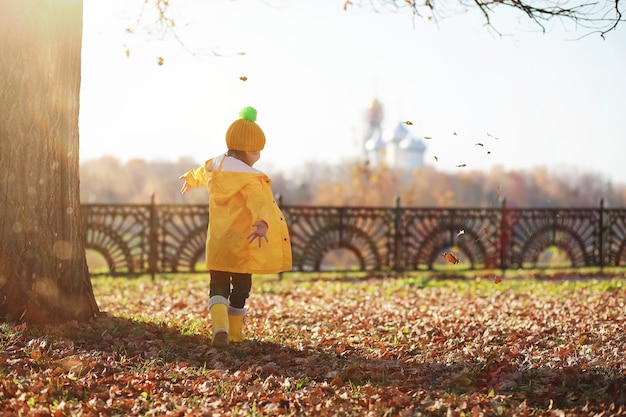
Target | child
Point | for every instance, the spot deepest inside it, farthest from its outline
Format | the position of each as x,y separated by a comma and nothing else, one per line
247,232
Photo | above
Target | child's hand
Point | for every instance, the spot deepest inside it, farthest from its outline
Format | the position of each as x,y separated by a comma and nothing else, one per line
260,232
185,187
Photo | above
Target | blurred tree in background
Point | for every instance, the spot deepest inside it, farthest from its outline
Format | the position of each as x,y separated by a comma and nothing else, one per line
107,180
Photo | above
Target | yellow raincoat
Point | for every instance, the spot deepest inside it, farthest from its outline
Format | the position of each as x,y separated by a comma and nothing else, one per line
236,200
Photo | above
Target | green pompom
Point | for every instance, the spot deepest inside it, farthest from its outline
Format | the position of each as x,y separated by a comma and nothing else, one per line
248,113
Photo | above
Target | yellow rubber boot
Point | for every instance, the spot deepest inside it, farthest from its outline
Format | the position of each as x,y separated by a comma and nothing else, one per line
218,307
236,319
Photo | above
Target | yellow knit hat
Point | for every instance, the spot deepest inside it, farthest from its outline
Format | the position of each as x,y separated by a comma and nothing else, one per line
244,134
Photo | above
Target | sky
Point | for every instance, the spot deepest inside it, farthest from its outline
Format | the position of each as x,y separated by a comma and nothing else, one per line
554,100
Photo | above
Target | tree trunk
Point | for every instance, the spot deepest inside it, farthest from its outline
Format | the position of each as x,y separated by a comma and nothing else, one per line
44,276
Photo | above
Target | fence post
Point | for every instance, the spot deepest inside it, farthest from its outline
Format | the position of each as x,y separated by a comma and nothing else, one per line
397,236
152,239
601,235
503,236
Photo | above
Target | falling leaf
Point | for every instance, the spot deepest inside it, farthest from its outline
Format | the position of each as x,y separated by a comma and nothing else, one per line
127,53
450,258
436,159
491,136
454,133
479,144
160,60
243,78
485,233
461,165
428,137
462,231
497,280
347,4
408,122
498,192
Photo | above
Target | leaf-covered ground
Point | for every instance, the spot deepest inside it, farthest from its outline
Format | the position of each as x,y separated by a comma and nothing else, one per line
329,347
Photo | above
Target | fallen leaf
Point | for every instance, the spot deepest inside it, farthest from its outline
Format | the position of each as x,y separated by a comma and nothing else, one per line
243,78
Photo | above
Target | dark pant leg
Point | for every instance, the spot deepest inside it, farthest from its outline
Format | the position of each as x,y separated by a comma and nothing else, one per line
220,284
242,284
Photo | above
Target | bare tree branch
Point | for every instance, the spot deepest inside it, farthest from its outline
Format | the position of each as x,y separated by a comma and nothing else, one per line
600,16
619,19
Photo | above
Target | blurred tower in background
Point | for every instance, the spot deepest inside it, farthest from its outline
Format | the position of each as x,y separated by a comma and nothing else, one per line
373,144
396,148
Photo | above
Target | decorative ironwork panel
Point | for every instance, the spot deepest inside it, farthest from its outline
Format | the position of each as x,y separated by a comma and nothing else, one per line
367,233
181,231
426,233
120,234
529,232
138,239
614,237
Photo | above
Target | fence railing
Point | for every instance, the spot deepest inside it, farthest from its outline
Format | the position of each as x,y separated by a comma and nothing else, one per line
154,238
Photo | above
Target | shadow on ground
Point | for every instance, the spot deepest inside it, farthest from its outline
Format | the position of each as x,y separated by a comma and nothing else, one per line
109,346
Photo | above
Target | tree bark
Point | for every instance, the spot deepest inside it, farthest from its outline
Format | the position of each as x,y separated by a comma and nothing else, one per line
44,276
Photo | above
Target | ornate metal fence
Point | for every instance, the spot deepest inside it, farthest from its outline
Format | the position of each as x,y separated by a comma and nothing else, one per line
151,238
